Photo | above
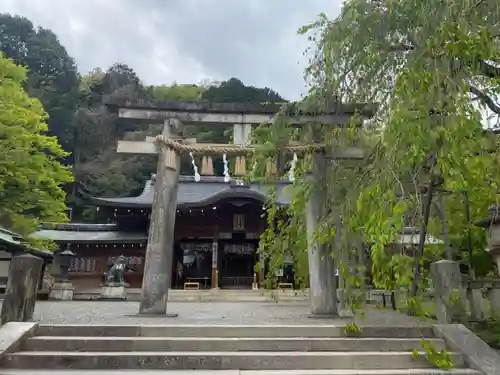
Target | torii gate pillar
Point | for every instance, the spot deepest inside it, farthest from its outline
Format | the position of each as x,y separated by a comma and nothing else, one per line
160,248
322,281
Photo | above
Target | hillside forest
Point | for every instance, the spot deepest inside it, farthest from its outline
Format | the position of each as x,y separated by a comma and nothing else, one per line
75,104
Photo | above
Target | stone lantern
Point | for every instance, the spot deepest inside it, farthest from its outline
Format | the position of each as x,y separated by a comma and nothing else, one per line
64,263
63,288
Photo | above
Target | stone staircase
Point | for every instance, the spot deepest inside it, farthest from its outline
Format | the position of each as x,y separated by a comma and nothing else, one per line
272,350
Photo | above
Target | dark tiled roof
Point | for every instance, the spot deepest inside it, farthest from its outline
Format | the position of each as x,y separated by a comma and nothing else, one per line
79,236
80,227
13,242
208,190
10,239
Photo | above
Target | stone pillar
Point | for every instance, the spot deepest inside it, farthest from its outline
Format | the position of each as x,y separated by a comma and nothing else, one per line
22,286
322,283
493,294
159,252
215,269
449,293
494,249
492,225
476,300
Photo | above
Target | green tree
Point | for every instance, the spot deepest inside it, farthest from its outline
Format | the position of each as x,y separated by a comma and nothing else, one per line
31,174
234,91
52,73
177,92
432,67
96,167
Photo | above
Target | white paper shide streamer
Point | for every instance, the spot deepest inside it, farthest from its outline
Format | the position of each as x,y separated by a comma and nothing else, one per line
227,177
291,173
197,176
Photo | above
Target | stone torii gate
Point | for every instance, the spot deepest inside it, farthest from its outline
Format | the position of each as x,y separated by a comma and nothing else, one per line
168,145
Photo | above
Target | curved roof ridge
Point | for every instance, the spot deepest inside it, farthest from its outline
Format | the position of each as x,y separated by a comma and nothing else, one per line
148,187
194,193
234,191
83,227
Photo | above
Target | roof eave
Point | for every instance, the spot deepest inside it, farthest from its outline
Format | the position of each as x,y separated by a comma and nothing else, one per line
78,242
105,203
139,238
112,202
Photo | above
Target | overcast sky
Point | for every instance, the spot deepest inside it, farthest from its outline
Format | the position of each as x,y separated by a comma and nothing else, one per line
185,40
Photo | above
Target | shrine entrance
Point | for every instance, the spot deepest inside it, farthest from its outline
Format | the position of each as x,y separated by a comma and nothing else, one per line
239,258
197,263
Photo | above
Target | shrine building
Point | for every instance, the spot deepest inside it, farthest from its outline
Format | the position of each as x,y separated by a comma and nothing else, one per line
217,231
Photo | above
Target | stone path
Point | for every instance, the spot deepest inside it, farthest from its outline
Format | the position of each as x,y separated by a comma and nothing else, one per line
223,313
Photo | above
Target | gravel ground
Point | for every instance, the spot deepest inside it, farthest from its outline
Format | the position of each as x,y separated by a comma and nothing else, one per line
251,313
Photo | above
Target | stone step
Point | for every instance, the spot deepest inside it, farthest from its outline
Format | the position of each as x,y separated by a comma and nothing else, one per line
232,331
204,296
214,295
335,344
219,360
241,372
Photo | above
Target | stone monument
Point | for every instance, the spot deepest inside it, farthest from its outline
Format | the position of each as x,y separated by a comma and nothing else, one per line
114,285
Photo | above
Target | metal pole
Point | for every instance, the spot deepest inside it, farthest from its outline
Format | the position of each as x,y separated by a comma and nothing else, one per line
423,234
442,214
469,237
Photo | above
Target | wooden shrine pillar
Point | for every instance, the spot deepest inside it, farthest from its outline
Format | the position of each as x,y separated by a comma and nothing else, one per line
160,249
215,261
322,283
241,137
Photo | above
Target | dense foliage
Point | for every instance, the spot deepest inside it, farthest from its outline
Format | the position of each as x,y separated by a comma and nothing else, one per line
31,175
52,73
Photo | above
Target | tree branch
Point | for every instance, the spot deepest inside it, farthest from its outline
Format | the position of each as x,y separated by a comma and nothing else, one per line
489,70
485,98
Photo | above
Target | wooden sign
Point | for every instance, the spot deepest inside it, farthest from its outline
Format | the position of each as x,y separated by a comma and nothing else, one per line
239,222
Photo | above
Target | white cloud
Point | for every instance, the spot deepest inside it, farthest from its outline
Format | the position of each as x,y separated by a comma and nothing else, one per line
184,40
